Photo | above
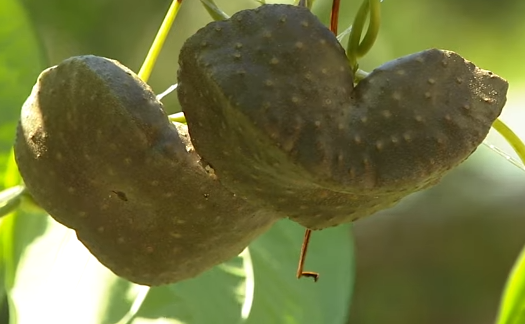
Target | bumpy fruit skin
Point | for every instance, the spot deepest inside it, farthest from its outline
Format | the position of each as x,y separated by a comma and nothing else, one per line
292,133
98,153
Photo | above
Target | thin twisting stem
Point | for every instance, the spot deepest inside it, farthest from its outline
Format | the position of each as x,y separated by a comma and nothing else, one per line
334,16
302,258
357,48
373,28
511,138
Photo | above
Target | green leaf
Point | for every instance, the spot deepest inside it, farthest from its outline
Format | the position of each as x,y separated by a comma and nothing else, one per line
281,298
20,64
58,281
512,309
50,261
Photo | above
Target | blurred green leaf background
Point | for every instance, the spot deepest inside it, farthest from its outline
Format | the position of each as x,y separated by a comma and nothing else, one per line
441,256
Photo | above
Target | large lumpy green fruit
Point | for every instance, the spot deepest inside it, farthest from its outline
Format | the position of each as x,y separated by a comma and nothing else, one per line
97,152
271,105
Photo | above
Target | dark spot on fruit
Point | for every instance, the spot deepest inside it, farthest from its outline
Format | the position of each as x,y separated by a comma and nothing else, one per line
121,195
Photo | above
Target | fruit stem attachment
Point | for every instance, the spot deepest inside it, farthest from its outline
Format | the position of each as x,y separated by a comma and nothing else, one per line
302,258
158,42
357,48
511,138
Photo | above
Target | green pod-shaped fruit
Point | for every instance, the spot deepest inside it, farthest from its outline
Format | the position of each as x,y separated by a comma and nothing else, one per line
271,105
98,153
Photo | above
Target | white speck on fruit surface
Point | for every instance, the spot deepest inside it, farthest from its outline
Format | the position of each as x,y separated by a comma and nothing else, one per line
154,183
448,117
379,145
237,55
121,240
100,229
341,126
317,123
401,72
459,80
218,28
266,34
357,139
104,206
394,139
127,161
364,119
200,206
420,59
268,83
466,106
407,137
180,221
431,81
428,95
419,118
299,45
295,99
396,95
327,102
71,190
175,235
386,113
322,41
308,76
238,45
168,194
59,156
305,23
324,71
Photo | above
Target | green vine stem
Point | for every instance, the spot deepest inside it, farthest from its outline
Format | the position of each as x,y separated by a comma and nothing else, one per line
215,12
511,137
158,42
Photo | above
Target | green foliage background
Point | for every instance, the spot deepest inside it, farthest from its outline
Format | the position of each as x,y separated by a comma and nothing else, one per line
442,256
